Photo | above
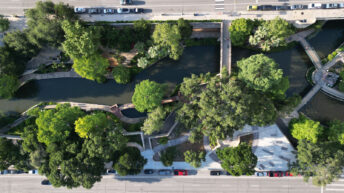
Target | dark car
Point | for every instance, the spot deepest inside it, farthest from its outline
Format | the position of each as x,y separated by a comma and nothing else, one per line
275,174
228,174
283,7
93,10
297,7
267,7
180,172
137,10
165,172
148,171
45,182
126,2
215,173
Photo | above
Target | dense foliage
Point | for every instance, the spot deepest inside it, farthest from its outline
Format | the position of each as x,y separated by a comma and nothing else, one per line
94,123
93,68
240,30
307,129
168,155
336,131
148,95
9,153
121,74
194,158
8,86
154,121
130,162
184,27
238,160
4,23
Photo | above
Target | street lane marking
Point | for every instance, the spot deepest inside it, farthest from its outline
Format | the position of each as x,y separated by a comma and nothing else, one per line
219,8
333,189
335,184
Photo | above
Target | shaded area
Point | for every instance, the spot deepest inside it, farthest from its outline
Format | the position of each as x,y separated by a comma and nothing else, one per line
196,60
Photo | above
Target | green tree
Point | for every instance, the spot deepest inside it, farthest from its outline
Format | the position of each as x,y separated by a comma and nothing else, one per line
142,62
336,131
19,42
168,35
94,123
10,62
240,30
9,153
196,135
81,42
238,160
130,162
121,74
154,121
4,23
323,161
304,128
92,68
279,27
148,95
55,125
142,30
185,29
260,73
168,155
194,158
8,86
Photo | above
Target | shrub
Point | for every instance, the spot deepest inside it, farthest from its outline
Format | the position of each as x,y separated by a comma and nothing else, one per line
167,156
163,140
121,74
4,23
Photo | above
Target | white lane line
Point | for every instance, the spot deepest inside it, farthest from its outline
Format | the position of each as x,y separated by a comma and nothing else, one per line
333,189
335,185
219,8
219,0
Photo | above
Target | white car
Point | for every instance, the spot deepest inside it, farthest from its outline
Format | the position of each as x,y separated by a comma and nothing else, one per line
331,5
123,10
341,5
80,10
314,6
261,174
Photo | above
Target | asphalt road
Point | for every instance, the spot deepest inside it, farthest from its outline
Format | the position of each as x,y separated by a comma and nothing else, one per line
215,184
158,6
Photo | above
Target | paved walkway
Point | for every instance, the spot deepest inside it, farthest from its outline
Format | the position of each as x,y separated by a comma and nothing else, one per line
26,78
226,47
312,54
171,143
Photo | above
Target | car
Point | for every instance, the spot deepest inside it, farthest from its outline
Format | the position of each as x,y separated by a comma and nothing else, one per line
282,7
228,174
330,5
137,10
123,10
80,10
275,174
13,171
93,10
148,171
108,11
180,172
261,174
267,7
164,172
33,171
126,2
111,171
215,173
287,173
314,6
296,7
340,5
45,182
252,8
5,172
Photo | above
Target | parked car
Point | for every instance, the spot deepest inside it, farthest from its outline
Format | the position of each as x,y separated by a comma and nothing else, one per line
45,182
215,173
137,10
287,173
148,171
5,172
33,171
330,5
282,7
314,6
165,172
80,10
13,172
275,174
94,10
126,2
261,174
111,171
297,7
123,10
267,7
340,5
108,11
180,172
252,8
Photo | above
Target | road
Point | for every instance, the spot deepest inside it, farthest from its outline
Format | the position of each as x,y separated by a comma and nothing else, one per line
9,7
207,184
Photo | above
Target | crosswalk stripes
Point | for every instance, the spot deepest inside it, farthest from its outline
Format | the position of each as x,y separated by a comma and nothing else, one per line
219,4
337,186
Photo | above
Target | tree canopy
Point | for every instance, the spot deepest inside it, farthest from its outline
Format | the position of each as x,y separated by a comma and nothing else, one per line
130,162
154,121
238,160
307,129
92,68
121,74
81,42
9,153
148,95
8,86
169,36
262,73
194,158
336,131
55,125
4,23
240,29
184,27
94,123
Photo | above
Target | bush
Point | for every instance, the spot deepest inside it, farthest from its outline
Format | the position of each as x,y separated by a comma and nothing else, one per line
4,23
167,156
194,158
163,140
121,74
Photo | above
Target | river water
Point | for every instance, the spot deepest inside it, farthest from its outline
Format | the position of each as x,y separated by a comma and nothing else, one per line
196,60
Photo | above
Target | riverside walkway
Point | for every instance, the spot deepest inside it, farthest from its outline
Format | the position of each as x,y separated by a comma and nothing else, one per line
226,47
28,77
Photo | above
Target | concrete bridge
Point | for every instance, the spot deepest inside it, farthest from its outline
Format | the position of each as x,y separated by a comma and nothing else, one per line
226,47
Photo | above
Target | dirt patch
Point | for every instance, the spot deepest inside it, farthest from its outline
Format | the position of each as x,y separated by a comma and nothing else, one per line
112,61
